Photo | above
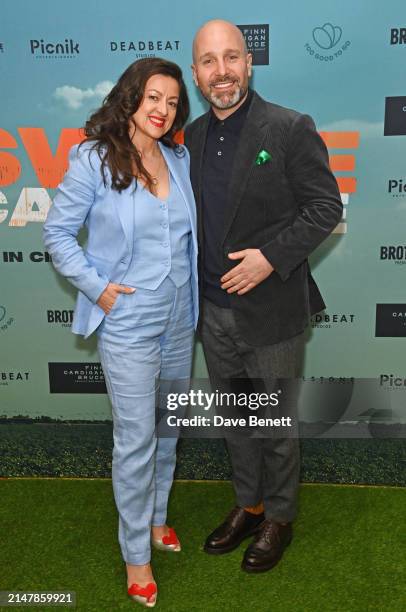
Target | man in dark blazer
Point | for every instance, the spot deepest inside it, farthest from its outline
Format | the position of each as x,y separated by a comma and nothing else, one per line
266,199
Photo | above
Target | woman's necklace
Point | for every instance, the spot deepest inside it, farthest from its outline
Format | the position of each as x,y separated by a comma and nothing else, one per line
154,179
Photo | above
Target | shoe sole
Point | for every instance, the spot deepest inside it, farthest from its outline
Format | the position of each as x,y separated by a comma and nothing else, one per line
230,548
251,569
142,600
165,547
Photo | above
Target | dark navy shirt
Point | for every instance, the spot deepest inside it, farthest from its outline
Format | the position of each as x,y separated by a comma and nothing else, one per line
223,136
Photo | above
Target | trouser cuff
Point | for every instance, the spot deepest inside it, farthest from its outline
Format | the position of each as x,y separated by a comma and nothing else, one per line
138,558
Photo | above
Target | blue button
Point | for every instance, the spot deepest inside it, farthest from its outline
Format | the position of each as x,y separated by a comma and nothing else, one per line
165,244
164,225
167,263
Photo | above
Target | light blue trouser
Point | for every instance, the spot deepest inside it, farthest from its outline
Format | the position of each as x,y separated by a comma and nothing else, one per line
147,336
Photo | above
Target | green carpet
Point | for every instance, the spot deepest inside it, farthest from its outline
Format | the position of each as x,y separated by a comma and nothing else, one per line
347,554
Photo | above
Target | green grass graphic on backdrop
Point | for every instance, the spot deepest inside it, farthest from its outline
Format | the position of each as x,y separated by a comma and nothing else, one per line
63,449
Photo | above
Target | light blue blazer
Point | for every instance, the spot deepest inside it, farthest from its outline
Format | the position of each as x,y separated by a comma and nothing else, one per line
82,199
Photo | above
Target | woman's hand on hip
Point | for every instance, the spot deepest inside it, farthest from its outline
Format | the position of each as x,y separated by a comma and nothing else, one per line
108,297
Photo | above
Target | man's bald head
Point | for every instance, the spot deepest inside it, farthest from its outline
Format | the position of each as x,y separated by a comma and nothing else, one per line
221,65
215,29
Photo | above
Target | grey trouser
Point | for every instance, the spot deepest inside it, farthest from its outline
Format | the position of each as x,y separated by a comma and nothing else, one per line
264,468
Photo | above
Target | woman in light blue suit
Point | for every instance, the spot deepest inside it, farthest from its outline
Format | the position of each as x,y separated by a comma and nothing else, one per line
128,183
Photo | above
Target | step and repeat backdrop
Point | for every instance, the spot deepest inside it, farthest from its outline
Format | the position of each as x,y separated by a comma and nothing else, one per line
343,63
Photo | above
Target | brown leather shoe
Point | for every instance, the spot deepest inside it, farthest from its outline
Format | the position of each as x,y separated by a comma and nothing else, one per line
268,546
238,525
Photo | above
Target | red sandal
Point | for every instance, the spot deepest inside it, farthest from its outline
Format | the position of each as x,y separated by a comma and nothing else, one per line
169,542
144,595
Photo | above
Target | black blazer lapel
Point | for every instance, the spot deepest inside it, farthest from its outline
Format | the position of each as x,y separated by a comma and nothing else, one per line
197,144
252,136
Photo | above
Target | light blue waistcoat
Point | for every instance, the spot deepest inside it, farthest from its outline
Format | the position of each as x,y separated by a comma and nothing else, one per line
161,239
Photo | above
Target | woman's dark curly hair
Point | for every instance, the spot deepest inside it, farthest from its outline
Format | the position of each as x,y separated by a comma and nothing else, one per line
109,125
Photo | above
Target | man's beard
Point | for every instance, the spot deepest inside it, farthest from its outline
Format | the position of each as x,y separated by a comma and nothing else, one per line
223,102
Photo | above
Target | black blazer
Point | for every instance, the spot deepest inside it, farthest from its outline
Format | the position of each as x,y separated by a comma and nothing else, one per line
285,207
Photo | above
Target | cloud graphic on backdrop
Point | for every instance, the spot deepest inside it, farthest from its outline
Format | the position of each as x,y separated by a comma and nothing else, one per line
74,97
327,36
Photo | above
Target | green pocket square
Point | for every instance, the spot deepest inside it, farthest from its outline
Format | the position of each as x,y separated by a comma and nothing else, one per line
263,157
